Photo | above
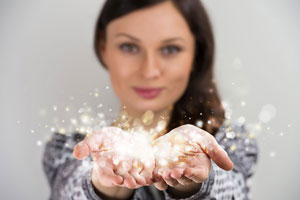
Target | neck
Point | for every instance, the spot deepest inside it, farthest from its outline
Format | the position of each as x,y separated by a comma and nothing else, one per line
149,120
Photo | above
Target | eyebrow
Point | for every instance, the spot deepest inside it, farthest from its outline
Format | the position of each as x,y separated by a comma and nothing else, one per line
136,39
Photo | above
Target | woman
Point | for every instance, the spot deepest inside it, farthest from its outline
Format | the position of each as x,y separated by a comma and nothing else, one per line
159,55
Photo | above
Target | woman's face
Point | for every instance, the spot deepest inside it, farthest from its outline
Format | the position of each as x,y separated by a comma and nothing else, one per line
149,48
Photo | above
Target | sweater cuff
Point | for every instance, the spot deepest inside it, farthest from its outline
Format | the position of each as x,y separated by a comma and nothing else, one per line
204,191
88,187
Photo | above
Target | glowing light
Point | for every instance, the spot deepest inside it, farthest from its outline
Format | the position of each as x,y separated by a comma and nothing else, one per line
241,120
232,148
39,143
54,108
199,123
230,134
243,103
281,134
62,130
267,113
272,154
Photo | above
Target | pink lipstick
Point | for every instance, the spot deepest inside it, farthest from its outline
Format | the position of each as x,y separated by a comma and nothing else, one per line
148,93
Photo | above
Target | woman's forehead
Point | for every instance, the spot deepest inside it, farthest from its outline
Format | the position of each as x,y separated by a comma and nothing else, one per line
160,21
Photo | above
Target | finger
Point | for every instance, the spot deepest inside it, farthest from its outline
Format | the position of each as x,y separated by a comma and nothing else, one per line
161,185
123,169
108,177
135,172
168,179
177,174
210,146
129,181
90,143
198,175
147,173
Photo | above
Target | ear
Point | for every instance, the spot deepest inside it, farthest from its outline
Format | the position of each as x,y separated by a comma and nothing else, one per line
102,52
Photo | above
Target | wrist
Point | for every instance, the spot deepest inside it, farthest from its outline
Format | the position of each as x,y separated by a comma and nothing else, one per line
184,191
110,192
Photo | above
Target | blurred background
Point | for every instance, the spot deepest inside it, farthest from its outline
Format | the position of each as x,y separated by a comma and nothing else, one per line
49,76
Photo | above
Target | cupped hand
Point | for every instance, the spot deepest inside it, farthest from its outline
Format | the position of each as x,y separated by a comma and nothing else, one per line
184,155
120,158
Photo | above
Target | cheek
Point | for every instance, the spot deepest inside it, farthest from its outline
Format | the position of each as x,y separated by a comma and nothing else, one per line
179,75
178,84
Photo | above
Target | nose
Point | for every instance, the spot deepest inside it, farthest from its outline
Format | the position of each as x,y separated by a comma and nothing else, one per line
150,68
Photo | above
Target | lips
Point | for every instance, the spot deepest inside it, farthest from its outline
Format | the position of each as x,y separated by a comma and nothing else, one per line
148,93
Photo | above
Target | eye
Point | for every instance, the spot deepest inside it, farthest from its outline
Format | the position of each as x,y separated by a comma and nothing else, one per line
128,47
171,49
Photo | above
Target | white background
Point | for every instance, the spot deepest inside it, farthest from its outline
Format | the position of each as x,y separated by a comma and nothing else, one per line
46,56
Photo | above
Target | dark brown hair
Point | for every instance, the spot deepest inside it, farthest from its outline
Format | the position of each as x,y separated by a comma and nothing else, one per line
200,101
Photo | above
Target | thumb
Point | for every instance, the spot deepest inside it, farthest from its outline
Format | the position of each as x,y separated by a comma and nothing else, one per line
81,150
211,147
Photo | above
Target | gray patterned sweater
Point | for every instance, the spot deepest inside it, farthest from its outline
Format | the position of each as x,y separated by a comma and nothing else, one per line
70,178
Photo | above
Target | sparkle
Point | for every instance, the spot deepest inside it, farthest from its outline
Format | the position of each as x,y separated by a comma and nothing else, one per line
272,154
96,94
163,162
199,123
32,131
230,135
243,103
107,87
267,113
100,105
62,130
258,127
281,134
208,121
67,109
54,108
39,143
85,163
232,148
85,119
241,120
18,122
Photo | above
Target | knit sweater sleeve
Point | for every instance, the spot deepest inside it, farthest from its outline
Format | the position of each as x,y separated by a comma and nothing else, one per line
68,177
241,146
